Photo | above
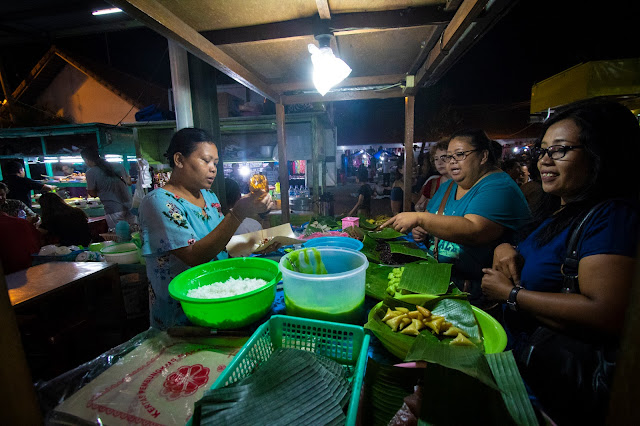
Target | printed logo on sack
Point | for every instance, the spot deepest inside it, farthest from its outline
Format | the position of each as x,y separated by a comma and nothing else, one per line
185,382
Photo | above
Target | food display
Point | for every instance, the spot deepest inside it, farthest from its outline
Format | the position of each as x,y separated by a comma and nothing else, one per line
231,287
412,322
258,183
394,279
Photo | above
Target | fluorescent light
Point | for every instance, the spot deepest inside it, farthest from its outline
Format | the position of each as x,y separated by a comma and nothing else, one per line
131,159
71,160
245,171
112,158
106,11
328,70
51,159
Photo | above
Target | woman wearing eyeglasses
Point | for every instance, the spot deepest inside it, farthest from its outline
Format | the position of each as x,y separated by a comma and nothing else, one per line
432,184
588,155
482,208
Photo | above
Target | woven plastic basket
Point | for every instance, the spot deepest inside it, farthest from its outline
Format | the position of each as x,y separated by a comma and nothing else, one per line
345,344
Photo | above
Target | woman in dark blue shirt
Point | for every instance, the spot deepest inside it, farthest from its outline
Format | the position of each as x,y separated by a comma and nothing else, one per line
587,155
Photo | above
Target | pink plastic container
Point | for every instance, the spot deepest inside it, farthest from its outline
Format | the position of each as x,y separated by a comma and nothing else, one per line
348,222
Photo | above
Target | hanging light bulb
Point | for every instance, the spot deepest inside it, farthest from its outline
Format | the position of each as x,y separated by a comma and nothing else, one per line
328,70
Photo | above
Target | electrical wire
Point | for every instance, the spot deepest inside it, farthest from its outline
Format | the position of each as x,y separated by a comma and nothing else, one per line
143,89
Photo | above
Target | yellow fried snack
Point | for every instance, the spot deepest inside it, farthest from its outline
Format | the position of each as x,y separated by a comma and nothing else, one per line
414,328
453,331
460,340
390,314
394,323
434,324
424,311
258,183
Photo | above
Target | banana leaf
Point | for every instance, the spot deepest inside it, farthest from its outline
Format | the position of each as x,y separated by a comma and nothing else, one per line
377,280
385,234
408,249
366,225
370,250
426,278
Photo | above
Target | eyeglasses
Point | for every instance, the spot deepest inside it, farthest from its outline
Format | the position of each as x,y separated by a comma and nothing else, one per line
555,152
459,156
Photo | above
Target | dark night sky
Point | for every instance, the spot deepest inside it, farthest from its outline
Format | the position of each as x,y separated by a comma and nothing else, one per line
535,40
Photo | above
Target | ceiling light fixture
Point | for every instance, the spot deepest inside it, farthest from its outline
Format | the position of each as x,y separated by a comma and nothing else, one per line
106,11
328,70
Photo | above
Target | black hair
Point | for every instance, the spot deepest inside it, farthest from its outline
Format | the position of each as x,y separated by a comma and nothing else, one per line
480,141
610,135
92,155
4,187
232,192
13,167
509,164
185,141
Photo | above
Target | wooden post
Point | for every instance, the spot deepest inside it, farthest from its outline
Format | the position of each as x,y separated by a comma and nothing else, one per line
623,403
323,158
283,170
315,147
409,103
17,396
204,113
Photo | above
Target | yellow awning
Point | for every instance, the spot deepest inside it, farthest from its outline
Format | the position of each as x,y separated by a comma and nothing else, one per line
615,78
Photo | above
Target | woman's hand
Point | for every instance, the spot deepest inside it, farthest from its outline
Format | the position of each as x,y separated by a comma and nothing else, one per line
507,260
419,235
252,204
495,285
403,222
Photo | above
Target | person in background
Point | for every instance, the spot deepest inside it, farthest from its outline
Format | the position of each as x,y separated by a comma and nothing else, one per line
233,194
386,172
397,191
363,205
20,186
20,240
513,168
272,174
182,224
15,208
110,182
586,157
63,224
438,157
363,174
483,207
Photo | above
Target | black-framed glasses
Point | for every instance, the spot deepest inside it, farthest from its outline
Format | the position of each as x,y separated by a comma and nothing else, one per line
555,152
459,156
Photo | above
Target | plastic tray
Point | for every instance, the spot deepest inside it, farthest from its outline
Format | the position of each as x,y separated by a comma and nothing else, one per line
345,344
36,259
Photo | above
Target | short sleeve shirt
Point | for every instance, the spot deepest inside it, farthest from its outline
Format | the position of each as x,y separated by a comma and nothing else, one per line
113,192
497,198
167,223
366,192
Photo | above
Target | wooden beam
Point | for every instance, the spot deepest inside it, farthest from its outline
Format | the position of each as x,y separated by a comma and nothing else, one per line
374,80
323,9
342,96
283,170
425,48
161,20
409,104
462,20
341,23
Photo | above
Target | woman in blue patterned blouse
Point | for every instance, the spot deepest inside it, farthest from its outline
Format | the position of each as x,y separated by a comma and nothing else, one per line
182,224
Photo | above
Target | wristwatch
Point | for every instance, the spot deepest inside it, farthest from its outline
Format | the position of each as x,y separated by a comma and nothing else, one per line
511,301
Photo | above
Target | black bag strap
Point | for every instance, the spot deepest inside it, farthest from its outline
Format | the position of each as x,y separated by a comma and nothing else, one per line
569,268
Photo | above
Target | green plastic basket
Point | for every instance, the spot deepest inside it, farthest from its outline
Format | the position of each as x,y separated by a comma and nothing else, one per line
345,344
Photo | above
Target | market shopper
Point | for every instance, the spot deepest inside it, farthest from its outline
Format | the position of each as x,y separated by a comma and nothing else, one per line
15,208
63,224
181,223
110,182
363,205
233,194
586,157
21,186
397,191
438,159
482,208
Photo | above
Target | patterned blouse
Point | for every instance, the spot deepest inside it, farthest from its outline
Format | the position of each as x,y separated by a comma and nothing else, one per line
12,207
167,223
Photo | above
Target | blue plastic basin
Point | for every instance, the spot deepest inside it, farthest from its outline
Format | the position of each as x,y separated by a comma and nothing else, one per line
342,242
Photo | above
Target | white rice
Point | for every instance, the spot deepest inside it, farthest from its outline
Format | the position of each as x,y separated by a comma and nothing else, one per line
231,287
